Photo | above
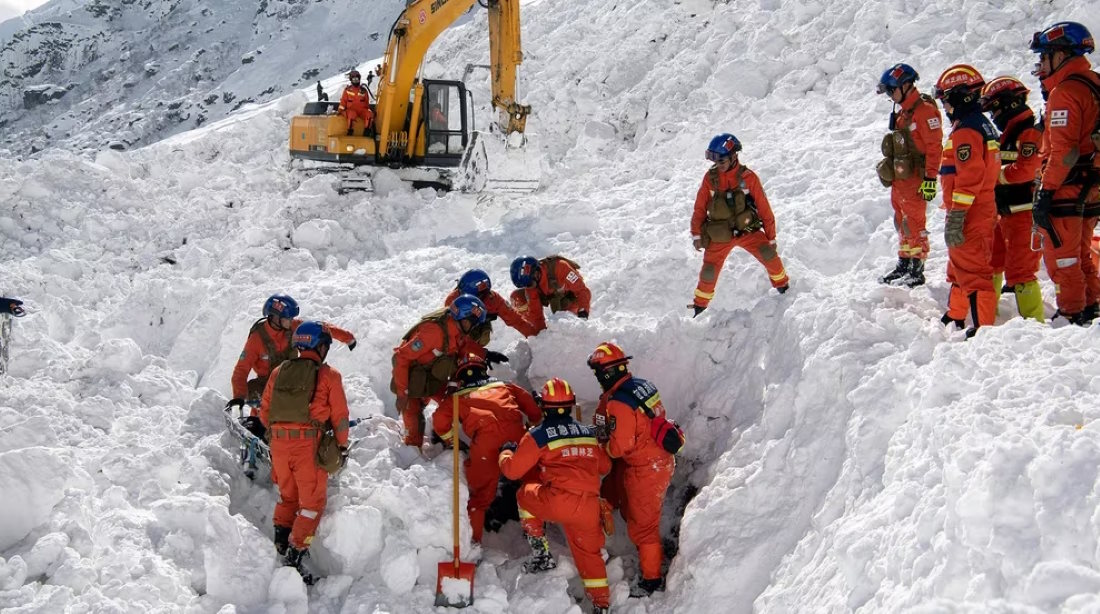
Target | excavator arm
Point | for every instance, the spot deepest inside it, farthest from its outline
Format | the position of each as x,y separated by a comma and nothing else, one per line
412,34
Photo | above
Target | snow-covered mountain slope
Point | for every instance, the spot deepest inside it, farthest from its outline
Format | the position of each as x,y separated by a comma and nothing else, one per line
89,73
845,452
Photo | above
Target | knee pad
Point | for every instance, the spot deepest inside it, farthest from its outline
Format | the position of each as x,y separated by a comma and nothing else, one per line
709,272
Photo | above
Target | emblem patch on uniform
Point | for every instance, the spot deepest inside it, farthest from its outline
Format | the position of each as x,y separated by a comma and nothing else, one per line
933,123
417,344
611,423
572,277
1059,118
963,153
1028,150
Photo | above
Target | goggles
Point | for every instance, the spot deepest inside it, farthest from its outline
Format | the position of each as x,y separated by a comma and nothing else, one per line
714,156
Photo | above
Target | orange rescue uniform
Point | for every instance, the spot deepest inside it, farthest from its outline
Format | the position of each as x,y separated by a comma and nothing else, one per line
265,348
923,121
641,468
567,491
760,244
529,302
1020,161
303,486
429,341
971,166
355,104
491,414
1070,117
496,306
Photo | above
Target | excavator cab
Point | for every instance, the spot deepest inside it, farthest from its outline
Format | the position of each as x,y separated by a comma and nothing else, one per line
447,129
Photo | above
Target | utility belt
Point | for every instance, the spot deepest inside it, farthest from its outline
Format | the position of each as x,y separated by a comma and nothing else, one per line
430,379
282,432
1087,201
724,231
1014,197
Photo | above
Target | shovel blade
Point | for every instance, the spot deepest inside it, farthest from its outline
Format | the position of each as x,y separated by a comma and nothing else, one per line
454,586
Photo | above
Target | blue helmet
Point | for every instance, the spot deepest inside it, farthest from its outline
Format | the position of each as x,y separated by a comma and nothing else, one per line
309,335
467,307
523,271
722,146
280,306
895,77
475,282
1068,36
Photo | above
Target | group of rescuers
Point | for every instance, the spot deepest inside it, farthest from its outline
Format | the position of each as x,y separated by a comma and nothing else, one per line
561,470
1032,179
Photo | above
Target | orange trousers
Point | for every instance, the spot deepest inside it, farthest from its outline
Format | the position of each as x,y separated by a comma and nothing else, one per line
638,492
579,516
303,488
483,472
1088,265
359,112
413,418
1064,264
970,272
1012,253
714,257
910,218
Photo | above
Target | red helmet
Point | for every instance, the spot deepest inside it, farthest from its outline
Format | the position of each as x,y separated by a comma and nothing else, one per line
609,362
557,397
961,78
1002,89
471,369
354,75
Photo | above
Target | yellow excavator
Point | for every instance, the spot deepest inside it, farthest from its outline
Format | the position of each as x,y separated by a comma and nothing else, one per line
423,128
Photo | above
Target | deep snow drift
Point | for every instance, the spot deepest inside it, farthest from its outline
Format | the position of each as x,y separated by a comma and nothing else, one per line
848,453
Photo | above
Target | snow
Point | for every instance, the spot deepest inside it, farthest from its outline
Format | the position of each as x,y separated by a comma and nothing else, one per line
844,451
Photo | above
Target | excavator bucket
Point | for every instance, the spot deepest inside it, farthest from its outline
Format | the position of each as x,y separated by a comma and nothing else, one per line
495,164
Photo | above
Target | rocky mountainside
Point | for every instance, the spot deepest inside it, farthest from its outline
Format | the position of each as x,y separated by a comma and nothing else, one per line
91,73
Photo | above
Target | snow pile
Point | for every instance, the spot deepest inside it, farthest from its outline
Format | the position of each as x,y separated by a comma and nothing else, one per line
845,451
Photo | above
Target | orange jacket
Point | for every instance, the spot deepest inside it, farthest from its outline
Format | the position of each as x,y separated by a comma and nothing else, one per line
529,302
566,452
497,306
254,357
329,402
425,345
354,97
493,406
925,125
628,424
1070,117
728,180
971,167
1020,162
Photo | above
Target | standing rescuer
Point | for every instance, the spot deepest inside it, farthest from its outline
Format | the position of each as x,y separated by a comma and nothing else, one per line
304,397
630,422
569,464
1014,262
1067,202
731,211
909,168
268,345
970,170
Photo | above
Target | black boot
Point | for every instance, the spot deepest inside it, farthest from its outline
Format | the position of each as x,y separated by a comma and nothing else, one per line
915,276
900,269
645,588
970,332
698,309
296,558
947,319
351,132
541,559
783,289
282,539
1088,314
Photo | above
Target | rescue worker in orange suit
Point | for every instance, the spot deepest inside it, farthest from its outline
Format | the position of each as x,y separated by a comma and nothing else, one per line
428,356
477,283
912,153
731,211
1067,201
641,469
303,398
970,169
355,104
268,345
569,463
553,282
1014,262
491,413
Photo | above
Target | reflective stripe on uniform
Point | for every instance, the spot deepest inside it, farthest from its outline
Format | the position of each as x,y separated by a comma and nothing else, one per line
595,582
571,441
778,276
962,198
311,514
706,295
525,514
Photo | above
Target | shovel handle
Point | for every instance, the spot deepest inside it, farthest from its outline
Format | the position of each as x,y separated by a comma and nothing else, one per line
454,447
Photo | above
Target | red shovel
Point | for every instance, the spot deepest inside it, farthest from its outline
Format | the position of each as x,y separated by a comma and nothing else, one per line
454,586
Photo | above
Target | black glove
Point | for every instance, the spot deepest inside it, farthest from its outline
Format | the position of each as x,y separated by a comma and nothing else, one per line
509,446
1040,215
582,314
352,344
491,317
12,306
492,358
343,456
239,403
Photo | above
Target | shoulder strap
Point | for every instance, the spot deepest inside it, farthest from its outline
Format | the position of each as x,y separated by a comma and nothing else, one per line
1013,134
261,330
712,175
